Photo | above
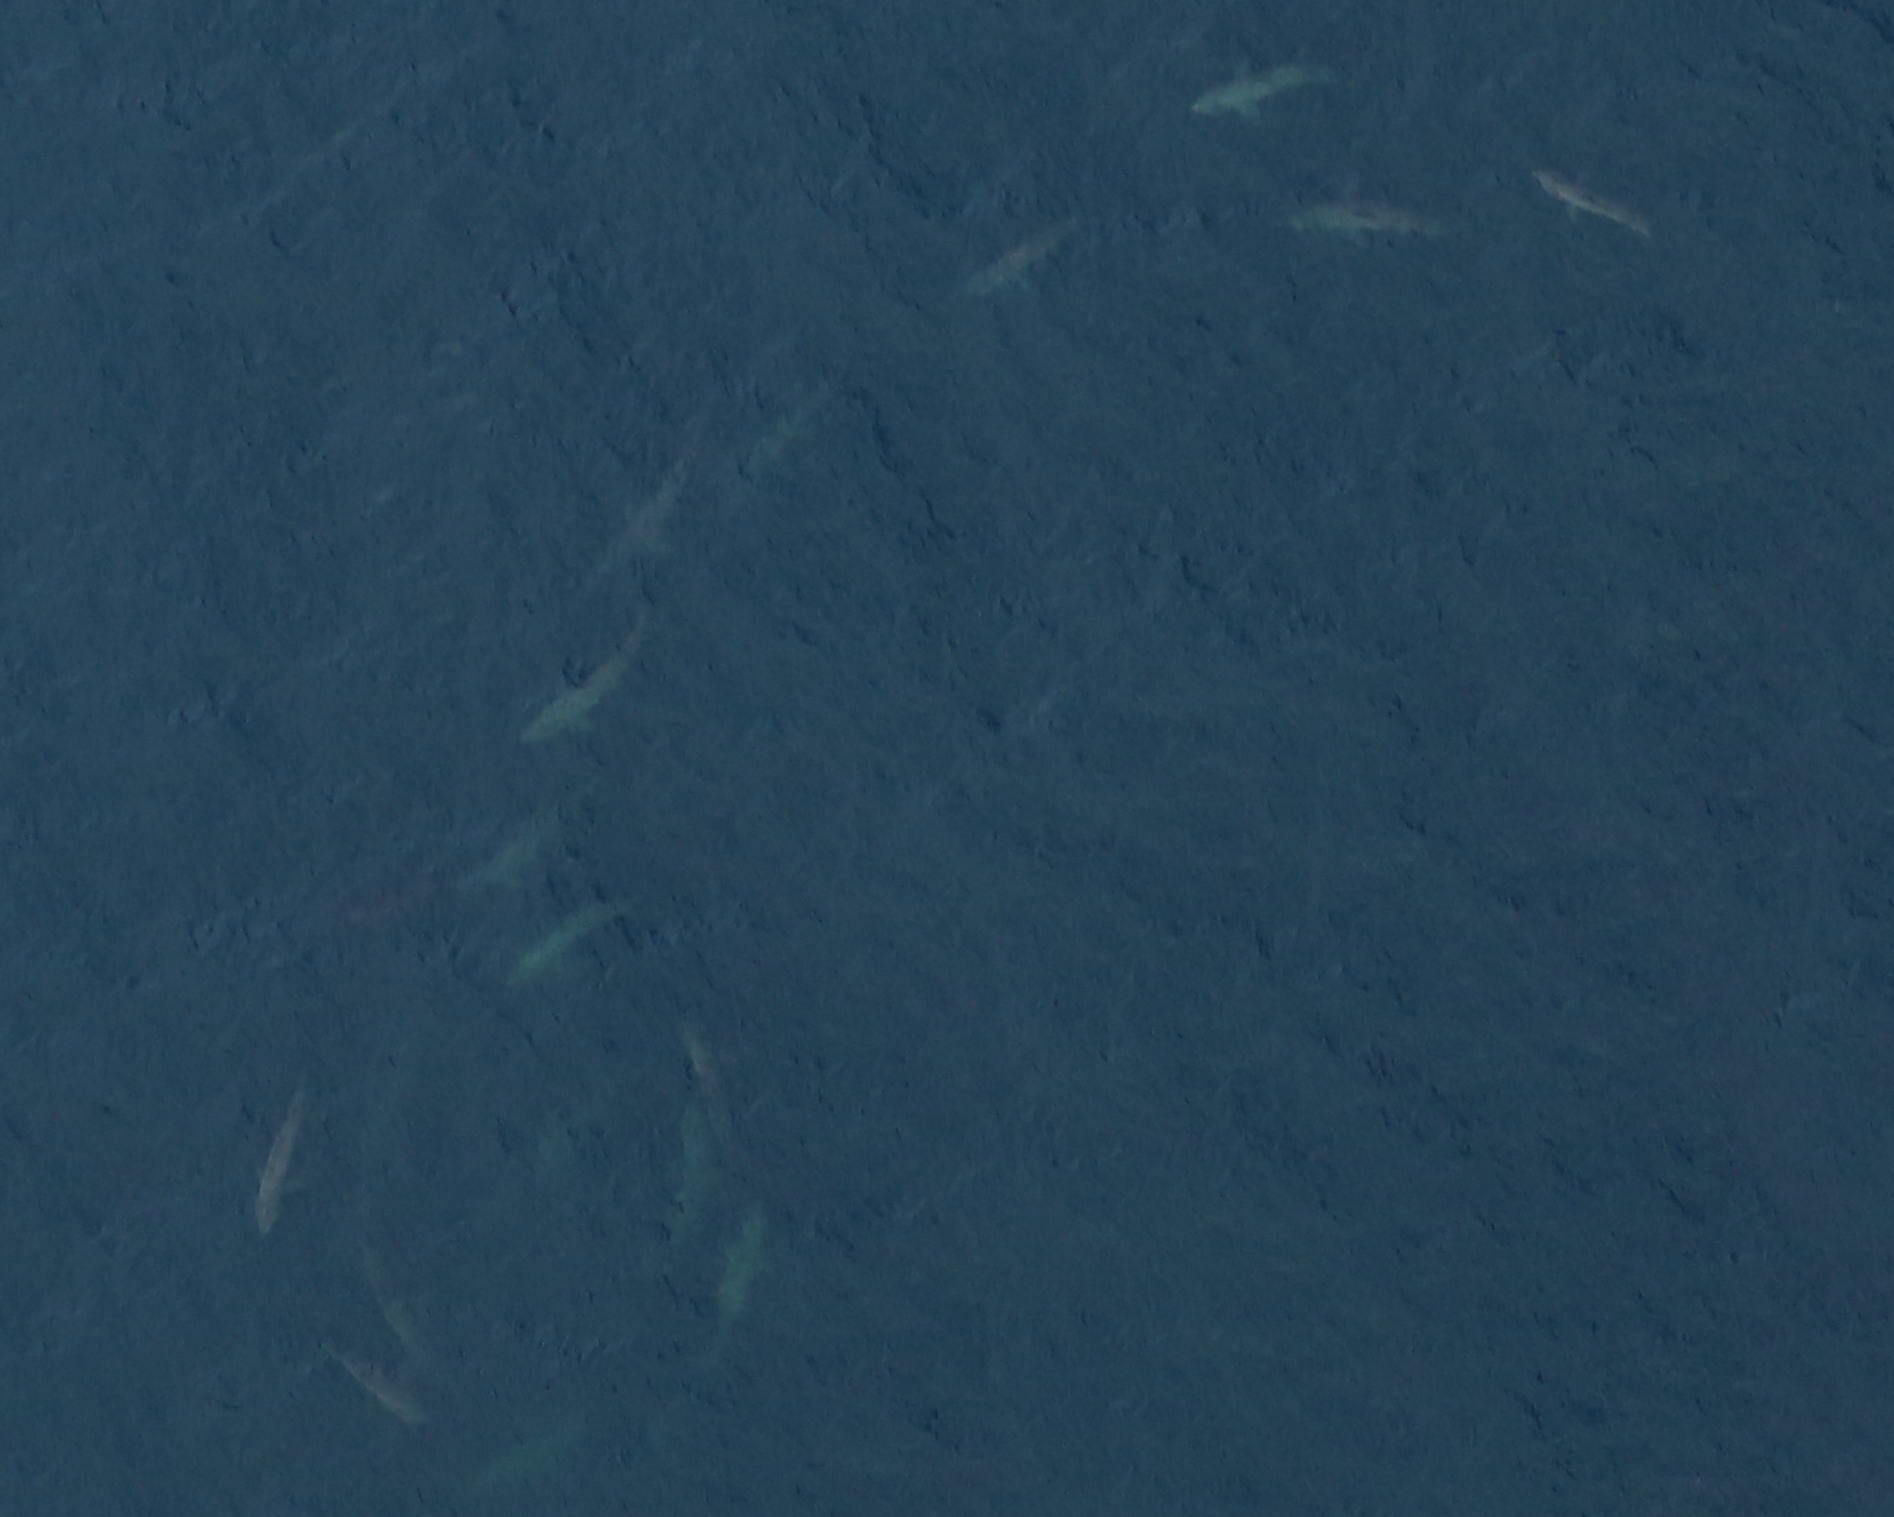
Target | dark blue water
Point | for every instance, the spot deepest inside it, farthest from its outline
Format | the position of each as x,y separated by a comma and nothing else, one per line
939,820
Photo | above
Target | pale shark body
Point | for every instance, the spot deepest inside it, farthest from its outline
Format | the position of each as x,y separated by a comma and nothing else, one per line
1243,96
